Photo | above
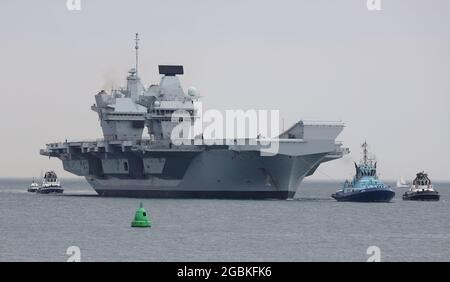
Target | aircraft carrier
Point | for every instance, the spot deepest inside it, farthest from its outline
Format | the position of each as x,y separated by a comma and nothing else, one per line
127,162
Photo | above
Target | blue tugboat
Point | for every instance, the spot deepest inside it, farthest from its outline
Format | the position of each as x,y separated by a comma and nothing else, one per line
365,186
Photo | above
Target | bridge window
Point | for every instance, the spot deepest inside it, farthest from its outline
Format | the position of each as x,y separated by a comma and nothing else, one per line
125,166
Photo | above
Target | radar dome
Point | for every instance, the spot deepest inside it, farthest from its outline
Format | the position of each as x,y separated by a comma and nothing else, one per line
156,103
192,91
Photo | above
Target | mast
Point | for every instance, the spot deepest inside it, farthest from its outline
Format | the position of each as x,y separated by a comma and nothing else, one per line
365,151
136,47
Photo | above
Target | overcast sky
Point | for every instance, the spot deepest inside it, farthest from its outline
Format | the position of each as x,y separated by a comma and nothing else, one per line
384,73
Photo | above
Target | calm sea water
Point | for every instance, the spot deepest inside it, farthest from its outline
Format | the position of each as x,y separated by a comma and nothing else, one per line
314,227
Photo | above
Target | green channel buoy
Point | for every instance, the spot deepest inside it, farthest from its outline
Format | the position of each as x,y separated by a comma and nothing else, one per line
140,218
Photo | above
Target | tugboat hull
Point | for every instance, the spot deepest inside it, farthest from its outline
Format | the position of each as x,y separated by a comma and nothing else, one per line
422,196
50,191
365,196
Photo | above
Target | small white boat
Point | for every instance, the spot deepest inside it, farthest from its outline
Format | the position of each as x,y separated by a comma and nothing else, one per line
422,189
33,186
401,183
50,184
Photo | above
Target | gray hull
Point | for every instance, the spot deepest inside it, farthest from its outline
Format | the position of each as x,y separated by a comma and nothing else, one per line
215,174
179,194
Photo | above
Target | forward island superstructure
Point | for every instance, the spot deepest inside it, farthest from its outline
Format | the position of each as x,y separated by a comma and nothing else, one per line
129,162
